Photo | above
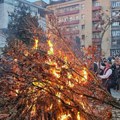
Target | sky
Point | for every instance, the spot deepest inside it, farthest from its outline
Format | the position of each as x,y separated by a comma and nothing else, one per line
36,0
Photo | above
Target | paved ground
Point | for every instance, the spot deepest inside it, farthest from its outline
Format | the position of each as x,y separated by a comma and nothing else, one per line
115,94
115,112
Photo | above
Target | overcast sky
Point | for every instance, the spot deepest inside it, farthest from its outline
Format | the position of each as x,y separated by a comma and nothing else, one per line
37,0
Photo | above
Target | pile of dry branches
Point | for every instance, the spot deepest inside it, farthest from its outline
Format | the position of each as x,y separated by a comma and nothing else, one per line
38,84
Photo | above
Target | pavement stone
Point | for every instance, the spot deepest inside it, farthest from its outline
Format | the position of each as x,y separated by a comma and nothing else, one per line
115,112
115,94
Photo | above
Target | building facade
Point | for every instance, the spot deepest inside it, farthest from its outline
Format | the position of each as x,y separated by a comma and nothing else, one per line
7,6
115,27
80,18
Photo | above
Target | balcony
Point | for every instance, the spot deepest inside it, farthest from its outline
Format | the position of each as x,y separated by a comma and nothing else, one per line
69,23
95,8
95,19
96,40
97,29
96,44
71,32
115,27
68,13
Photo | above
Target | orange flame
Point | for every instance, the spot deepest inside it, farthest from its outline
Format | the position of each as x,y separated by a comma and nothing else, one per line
16,91
36,44
78,116
33,110
51,50
69,75
56,73
70,84
49,108
58,95
50,62
65,117
85,74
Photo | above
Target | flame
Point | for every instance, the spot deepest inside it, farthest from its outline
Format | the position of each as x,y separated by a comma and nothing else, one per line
36,44
85,74
33,110
69,75
65,59
83,105
61,87
55,73
38,84
78,116
51,50
51,106
64,117
50,43
70,84
68,102
58,95
50,62
65,65
16,92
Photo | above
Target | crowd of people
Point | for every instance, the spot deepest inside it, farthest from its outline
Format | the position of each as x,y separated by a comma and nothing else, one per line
108,71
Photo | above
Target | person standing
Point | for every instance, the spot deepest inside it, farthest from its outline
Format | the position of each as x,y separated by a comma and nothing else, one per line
108,80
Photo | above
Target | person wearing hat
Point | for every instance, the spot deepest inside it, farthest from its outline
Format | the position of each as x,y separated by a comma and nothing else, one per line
107,76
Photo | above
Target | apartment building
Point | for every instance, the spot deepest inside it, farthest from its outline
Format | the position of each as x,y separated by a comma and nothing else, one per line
9,6
115,27
80,18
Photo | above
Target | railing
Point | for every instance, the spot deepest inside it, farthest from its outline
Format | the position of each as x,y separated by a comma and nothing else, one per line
70,22
97,29
96,19
68,13
96,8
71,32
96,40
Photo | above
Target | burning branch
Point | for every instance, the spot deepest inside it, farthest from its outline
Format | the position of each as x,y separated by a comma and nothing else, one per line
47,84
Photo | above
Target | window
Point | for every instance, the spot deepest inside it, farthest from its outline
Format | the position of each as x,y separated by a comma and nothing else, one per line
83,37
96,3
67,9
82,16
115,33
96,35
82,6
71,18
72,28
95,24
115,24
96,14
82,27
113,13
115,42
115,4
76,17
